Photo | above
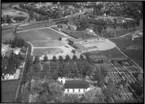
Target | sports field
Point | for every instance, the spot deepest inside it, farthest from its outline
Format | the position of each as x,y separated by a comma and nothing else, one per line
39,34
47,43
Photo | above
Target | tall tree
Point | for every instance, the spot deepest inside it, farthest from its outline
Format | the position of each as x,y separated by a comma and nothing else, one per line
54,58
74,57
45,58
60,59
36,60
67,58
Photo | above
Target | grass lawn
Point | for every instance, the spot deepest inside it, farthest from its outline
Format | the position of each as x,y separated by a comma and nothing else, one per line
6,35
135,54
46,50
47,43
37,25
123,31
112,53
9,89
40,34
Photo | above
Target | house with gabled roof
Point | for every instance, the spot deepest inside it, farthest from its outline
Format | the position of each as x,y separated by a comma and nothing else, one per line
74,86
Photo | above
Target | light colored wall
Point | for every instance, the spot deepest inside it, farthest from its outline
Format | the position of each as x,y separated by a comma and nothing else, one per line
76,91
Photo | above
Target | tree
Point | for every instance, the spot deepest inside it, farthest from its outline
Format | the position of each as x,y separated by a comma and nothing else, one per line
8,19
54,58
36,60
56,89
103,71
111,90
67,58
74,57
60,58
82,57
98,75
70,98
93,96
137,87
45,58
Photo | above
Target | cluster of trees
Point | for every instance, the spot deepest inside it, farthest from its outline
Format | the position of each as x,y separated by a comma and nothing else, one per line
6,19
16,42
50,70
100,74
45,13
11,63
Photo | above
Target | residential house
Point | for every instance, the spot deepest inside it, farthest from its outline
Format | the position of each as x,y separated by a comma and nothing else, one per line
74,86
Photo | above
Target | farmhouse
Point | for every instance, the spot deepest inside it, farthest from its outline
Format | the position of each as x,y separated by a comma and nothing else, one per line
74,86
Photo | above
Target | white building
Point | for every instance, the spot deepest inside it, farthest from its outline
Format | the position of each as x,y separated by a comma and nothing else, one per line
74,86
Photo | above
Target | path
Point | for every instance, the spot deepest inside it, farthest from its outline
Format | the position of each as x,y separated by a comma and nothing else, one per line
21,76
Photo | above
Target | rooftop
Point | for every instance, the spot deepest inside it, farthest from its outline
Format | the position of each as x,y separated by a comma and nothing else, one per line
76,84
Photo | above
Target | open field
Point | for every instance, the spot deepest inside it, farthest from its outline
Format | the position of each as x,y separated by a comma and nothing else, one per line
9,90
44,51
47,43
39,34
135,54
6,35
37,25
112,53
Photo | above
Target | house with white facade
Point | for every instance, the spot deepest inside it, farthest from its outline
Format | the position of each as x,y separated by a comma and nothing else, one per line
74,86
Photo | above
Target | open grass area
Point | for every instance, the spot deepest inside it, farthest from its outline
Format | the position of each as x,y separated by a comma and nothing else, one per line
135,54
9,89
37,25
46,50
78,34
47,43
39,34
6,35
112,53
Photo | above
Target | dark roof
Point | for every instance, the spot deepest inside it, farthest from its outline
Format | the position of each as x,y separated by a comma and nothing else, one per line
76,84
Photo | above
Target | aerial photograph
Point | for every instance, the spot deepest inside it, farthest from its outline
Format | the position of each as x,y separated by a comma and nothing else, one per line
72,52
